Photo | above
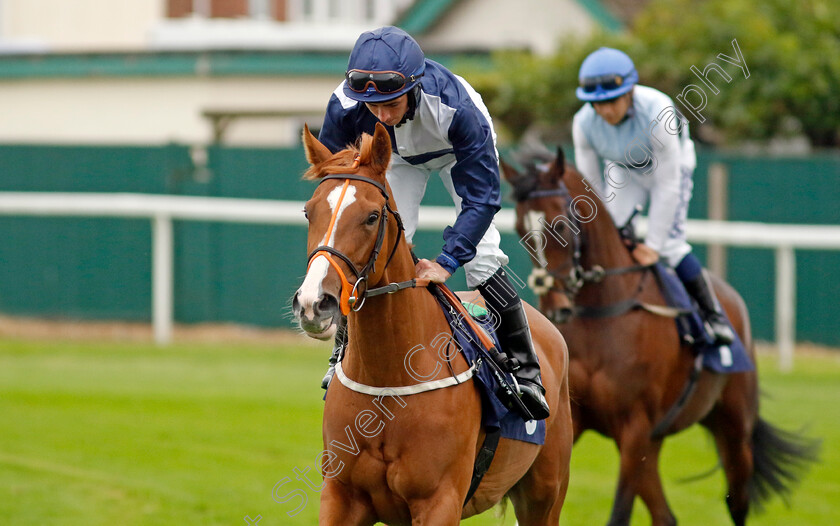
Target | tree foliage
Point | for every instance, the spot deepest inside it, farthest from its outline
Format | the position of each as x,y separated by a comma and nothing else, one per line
792,51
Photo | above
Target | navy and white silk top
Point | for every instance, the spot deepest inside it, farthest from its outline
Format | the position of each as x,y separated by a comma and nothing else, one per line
450,127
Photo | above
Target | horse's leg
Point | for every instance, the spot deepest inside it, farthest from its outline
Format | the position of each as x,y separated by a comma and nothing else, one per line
338,508
639,475
538,497
444,509
733,420
651,492
732,424
625,492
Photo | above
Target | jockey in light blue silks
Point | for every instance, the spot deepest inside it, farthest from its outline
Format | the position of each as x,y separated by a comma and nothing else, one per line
633,148
437,122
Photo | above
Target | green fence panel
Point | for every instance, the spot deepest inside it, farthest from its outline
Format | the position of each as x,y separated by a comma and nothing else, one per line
34,168
250,271
255,270
77,267
260,270
101,268
787,190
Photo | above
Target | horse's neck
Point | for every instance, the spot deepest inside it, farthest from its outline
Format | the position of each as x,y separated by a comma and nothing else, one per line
388,327
605,248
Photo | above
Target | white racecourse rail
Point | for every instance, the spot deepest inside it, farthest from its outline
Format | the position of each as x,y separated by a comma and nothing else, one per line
163,209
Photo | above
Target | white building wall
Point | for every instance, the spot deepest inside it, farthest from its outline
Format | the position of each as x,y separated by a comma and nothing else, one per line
78,24
130,110
110,25
156,111
497,24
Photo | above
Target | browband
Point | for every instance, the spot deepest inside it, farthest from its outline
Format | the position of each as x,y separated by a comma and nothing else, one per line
355,177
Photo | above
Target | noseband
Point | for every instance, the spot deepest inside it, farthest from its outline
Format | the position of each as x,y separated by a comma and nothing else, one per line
543,280
356,295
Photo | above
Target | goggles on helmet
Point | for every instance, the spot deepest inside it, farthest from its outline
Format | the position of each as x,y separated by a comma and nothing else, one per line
384,82
603,82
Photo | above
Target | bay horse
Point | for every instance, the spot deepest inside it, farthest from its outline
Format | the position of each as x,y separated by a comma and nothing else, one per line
389,455
628,365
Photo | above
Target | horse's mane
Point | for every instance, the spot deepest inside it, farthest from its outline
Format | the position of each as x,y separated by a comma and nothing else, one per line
343,162
575,183
543,172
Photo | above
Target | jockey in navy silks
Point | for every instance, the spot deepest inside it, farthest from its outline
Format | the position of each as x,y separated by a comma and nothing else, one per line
437,122
633,148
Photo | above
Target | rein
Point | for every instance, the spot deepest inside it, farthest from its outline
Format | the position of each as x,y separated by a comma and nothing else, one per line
349,299
355,298
541,280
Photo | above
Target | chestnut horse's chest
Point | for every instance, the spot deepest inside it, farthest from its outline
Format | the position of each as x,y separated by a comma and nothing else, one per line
394,448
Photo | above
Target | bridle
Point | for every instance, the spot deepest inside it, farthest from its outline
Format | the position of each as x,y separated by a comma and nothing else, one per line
353,297
572,276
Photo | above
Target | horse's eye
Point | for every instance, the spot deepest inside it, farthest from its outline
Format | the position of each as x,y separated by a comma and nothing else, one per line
372,218
305,213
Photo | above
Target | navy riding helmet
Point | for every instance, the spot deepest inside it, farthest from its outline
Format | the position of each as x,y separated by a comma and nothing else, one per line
385,63
605,74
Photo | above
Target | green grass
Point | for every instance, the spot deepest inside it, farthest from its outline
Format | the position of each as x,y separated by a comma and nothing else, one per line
129,434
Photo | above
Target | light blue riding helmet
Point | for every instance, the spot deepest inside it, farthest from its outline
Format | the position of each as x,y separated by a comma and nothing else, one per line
605,74
384,64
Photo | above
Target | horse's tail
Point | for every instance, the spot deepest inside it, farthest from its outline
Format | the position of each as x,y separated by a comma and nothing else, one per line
780,459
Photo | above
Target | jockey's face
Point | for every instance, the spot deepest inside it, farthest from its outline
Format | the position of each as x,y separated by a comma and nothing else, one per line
614,110
390,112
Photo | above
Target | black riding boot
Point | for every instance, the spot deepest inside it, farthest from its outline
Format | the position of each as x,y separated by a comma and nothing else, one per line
338,350
701,290
515,338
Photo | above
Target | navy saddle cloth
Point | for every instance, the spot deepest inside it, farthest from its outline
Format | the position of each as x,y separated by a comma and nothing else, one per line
494,412
731,358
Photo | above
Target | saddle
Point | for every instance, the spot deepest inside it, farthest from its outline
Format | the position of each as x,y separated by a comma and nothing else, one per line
692,329
474,335
732,358
502,412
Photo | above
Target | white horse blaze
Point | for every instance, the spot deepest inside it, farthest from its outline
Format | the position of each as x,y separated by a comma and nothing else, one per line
534,221
310,290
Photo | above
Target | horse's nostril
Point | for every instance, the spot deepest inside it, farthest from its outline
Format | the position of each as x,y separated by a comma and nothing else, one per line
296,304
326,304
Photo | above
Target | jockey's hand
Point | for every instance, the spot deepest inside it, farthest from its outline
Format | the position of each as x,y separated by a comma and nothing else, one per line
644,255
431,270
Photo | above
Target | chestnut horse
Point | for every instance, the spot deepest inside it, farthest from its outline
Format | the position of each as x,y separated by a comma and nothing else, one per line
389,455
628,366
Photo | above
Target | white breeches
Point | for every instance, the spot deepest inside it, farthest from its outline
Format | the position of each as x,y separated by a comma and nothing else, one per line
636,192
408,184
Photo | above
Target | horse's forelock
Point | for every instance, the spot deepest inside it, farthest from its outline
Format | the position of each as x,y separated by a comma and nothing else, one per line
524,185
352,160
366,149
541,175
340,163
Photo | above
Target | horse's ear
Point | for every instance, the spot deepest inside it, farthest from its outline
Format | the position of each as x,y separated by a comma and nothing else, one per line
508,171
380,150
560,161
556,169
316,152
